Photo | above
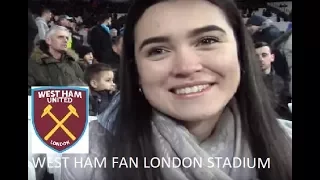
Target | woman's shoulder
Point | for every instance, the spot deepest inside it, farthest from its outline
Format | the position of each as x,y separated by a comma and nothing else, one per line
97,134
287,126
108,116
91,165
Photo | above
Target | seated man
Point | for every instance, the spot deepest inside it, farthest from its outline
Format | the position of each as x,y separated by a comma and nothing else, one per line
51,63
275,84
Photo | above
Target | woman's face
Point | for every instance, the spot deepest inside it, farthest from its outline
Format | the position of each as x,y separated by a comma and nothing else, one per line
186,55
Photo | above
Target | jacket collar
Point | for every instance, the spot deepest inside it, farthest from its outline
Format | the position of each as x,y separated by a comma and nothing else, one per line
42,57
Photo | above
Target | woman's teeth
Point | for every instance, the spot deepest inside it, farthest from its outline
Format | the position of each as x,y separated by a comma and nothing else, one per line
189,90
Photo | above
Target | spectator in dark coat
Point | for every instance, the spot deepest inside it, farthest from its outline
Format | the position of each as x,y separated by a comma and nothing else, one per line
279,92
100,40
52,63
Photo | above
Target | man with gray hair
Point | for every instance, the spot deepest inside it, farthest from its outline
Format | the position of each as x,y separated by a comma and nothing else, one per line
52,63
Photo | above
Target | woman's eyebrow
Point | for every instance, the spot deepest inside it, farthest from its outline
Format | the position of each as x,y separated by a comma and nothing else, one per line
192,33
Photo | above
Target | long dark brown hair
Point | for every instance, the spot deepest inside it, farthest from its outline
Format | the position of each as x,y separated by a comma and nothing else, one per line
133,124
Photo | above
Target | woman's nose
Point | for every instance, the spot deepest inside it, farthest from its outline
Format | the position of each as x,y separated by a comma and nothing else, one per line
186,62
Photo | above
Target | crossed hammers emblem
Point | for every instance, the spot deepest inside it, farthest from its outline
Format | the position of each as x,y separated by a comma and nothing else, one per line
47,111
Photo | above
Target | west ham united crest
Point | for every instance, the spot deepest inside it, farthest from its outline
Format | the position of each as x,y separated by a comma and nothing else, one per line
60,115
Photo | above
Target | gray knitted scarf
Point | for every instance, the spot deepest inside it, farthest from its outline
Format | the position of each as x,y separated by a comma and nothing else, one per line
207,160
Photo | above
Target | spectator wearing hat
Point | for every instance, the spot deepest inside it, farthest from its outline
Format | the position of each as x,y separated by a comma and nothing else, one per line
262,29
64,20
76,39
86,56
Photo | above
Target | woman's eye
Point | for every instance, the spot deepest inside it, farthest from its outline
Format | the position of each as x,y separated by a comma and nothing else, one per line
208,41
156,51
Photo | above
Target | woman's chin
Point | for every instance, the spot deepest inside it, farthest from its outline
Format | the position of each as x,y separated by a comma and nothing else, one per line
196,114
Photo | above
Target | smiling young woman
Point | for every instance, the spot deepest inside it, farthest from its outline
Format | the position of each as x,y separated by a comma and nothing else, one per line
192,88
